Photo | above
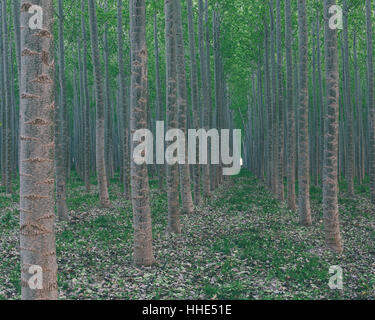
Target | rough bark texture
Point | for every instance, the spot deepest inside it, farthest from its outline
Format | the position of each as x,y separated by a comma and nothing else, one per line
174,225
61,127
7,102
108,110
2,107
370,98
205,111
303,114
280,101
37,235
330,189
159,103
123,103
187,201
143,254
194,95
348,103
100,154
86,100
274,102
268,102
17,33
291,154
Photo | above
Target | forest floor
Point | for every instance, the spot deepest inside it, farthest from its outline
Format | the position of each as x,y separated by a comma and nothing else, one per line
240,244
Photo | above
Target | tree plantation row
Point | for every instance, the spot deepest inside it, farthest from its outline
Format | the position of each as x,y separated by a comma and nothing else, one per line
85,85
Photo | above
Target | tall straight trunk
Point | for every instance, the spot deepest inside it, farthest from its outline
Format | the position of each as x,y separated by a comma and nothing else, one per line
370,98
159,103
360,125
205,96
61,127
274,102
314,131
86,105
291,154
268,101
7,102
187,200
261,124
280,143
123,103
143,254
330,188
218,81
303,119
349,111
76,136
174,225
37,235
209,92
17,33
320,95
14,117
81,108
194,95
2,108
100,155
108,111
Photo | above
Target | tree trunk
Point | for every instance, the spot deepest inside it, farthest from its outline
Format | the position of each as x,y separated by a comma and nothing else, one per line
7,103
86,105
280,143
61,127
194,96
172,170
291,155
37,235
303,119
205,107
370,98
2,107
274,102
159,103
348,104
187,201
123,103
108,111
100,154
143,255
330,202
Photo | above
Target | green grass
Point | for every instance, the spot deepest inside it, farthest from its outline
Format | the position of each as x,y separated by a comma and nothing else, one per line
242,243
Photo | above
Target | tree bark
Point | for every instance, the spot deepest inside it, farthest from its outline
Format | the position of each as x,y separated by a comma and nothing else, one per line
194,95
61,127
7,103
280,143
348,103
100,154
37,235
123,103
159,103
86,104
187,200
143,254
205,96
291,155
330,189
303,110
174,225
108,111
